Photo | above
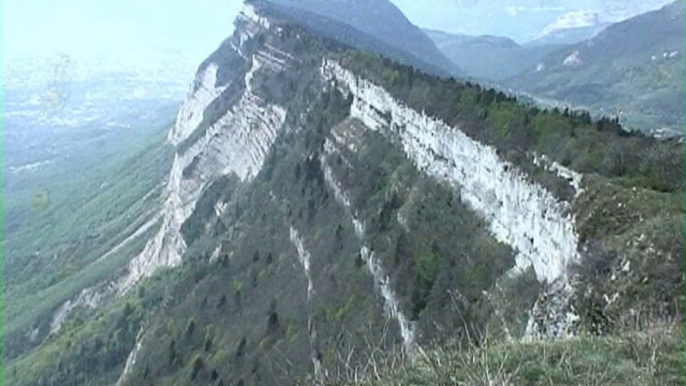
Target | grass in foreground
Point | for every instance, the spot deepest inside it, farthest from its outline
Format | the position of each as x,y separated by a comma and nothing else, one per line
652,357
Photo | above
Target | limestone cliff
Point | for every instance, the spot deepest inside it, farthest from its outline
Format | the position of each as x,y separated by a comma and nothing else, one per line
235,142
331,200
234,128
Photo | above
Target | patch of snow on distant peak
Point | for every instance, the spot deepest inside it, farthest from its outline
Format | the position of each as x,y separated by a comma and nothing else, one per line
573,60
571,20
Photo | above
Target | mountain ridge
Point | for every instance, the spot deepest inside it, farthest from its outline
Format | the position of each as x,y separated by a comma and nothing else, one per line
395,29
313,207
441,37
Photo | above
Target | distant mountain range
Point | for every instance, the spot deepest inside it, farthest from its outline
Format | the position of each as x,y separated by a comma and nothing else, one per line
382,20
490,57
633,69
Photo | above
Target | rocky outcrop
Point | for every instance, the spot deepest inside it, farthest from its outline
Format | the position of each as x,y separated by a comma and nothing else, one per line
89,298
520,212
305,260
132,359
204,92
372,227
237,142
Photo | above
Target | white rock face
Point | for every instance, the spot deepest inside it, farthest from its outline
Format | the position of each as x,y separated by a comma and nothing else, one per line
132,359
338,192
89,298
566,173
304,258
519,212
191,113
237,143
205,90
391,302
249,24
250,13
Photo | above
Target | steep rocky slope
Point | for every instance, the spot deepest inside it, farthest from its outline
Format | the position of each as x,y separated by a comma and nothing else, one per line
345,188
326,203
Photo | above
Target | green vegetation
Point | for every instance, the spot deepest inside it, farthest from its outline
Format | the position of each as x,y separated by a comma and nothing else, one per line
426,267
269,314
517,130
412,222
97,209
633,70
92,349
651,357
630,215
637,269
239,311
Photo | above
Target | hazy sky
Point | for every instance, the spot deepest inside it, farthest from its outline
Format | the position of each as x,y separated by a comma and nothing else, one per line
521,20
122,30
133,31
